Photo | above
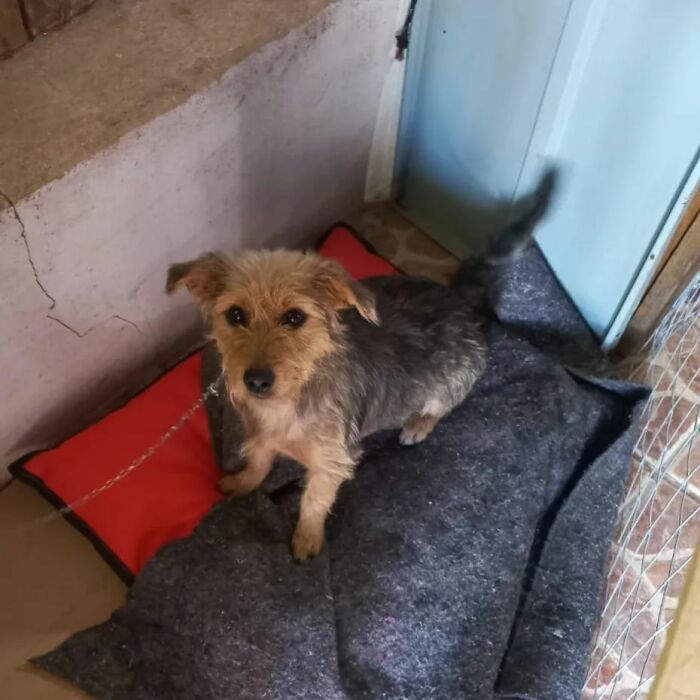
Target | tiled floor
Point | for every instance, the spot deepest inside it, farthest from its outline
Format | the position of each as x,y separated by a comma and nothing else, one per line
398,240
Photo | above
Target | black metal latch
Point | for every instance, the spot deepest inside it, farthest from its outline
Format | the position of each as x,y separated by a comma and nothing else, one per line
404,33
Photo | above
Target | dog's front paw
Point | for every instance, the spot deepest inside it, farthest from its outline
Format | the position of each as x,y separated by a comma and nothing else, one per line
236,484
307,542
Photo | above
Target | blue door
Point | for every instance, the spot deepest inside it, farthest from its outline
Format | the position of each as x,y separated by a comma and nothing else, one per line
607,88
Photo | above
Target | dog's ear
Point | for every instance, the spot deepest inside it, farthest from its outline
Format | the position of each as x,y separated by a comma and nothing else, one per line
204,277
343,291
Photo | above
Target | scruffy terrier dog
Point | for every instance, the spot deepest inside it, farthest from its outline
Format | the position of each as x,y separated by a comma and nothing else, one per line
315,361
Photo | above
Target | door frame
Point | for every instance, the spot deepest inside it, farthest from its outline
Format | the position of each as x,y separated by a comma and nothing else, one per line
412,79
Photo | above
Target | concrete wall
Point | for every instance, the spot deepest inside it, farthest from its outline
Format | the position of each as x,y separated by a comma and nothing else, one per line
268,155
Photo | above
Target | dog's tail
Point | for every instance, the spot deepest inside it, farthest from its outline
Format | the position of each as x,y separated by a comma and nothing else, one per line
516,237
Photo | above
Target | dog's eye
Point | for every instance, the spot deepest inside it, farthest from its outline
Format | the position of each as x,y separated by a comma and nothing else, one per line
235,316
294,318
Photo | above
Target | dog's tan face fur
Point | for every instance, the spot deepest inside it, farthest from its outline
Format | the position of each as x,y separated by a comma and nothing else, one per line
273,310
276,314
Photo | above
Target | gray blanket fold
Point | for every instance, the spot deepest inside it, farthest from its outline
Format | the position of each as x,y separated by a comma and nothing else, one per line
468,566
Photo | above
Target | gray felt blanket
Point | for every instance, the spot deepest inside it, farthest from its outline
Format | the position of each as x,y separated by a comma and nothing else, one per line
466,567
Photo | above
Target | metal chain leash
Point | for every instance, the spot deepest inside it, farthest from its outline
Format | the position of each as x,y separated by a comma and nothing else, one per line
211,390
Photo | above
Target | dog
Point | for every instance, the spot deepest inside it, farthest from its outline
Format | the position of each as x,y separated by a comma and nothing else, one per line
314,361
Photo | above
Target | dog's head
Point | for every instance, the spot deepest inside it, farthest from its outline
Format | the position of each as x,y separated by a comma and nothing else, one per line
272,314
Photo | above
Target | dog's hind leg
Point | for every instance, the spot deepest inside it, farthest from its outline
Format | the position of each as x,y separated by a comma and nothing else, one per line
417,428
421,424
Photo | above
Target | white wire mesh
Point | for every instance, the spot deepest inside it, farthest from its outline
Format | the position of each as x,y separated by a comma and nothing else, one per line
659,523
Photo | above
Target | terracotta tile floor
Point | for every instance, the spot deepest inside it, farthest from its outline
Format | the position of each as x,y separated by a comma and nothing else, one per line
660,518
400,241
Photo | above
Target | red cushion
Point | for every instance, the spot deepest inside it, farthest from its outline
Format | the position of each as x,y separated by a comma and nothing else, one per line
166,496
343,246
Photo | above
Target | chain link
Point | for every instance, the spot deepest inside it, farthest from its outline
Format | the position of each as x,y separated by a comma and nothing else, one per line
211,390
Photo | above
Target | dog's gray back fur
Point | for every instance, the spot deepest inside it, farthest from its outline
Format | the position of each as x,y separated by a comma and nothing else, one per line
430,346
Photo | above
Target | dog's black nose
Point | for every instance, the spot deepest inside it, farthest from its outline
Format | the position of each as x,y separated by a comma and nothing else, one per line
259,381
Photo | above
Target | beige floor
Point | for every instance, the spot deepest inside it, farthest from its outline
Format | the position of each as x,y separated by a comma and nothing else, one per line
53,583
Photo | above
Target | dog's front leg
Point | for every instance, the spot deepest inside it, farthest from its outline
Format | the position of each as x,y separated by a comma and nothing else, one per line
259,459
322,484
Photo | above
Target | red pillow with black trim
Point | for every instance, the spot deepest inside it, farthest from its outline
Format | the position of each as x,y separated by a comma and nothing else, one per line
168,494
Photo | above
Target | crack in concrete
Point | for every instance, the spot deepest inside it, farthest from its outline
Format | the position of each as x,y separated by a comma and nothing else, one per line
45,292
30,259
161,356
25,240
70,328
23,235
67,327
127,320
